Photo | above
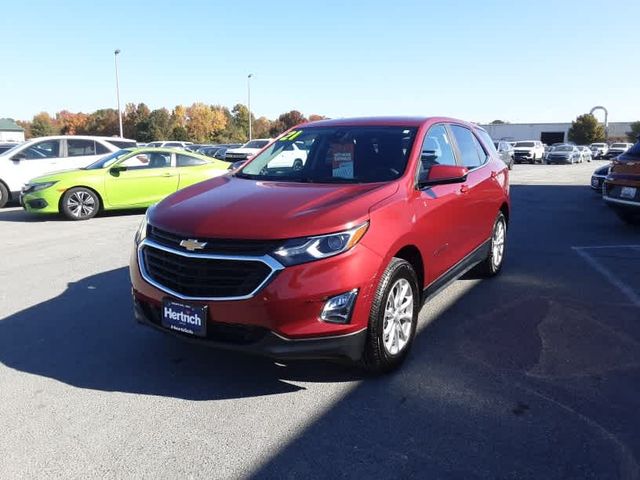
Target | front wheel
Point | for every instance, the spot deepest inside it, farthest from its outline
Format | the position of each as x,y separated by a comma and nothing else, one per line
80,204
393,318
492,264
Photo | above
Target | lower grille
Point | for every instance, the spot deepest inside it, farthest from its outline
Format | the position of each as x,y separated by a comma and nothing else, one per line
202,277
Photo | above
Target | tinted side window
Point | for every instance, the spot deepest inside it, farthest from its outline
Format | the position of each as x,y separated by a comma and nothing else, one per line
123,143
468,146
45,149
188,161
148,160
101,149
488,143
79,148
436,150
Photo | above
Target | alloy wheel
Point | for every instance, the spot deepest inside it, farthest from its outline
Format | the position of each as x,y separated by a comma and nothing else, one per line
497,243
398,316
81,204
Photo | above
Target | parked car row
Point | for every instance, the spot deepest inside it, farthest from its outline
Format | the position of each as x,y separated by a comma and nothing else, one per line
43,155
567,153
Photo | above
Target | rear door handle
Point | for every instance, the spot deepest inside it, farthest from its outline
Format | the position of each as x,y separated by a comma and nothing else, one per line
168,174
464,189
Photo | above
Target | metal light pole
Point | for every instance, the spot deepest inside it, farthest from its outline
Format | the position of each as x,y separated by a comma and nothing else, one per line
249,101
115,56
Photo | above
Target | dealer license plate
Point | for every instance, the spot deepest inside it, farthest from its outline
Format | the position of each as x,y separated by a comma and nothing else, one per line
628,192
180,317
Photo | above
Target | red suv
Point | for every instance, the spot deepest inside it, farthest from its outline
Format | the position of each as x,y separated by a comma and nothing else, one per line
330,257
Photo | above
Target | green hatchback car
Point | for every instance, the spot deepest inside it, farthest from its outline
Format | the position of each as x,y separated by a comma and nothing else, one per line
129,178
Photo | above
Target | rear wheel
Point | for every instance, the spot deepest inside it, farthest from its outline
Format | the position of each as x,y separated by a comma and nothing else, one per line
80,204
393,318
297,164
492,264
4,195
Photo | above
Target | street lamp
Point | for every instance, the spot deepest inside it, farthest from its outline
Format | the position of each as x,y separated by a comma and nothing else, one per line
249,101
115,56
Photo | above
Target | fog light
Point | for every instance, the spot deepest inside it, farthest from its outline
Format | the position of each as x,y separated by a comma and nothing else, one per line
338,309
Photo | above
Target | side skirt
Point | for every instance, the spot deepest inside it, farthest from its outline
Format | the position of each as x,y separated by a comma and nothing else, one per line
455,272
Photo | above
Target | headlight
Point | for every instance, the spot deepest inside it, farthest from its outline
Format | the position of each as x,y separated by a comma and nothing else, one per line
141,233
36,187
301,250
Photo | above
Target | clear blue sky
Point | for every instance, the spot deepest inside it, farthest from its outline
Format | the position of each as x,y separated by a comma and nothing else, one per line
522,61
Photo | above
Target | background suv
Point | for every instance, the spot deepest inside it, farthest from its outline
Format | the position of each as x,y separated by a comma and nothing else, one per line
530,151
335,259
43,155
599,150
247,150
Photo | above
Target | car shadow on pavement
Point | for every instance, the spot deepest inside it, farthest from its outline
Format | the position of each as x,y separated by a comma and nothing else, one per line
21,216
87,337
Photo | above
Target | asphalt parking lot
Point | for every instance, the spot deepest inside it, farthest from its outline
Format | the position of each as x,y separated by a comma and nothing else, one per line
534,374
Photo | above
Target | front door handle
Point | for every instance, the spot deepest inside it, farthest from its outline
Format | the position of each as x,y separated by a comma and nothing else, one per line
464,189
168,174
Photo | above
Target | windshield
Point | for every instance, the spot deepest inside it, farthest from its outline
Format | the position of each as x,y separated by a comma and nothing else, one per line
335,155
256,144
619,145
524,144
564,148
10,150
597,145
104,162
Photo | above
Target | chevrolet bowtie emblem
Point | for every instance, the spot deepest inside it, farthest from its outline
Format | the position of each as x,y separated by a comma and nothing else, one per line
192,244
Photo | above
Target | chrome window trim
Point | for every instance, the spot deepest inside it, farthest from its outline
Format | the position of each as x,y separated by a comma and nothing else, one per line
272,263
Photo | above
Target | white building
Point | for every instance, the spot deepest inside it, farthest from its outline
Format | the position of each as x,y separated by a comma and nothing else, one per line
10,131
546,132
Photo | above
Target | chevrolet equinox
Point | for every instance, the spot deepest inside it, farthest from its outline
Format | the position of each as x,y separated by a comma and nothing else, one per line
331,259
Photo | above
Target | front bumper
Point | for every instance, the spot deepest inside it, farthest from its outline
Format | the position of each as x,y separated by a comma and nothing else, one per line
286,310
261,341
40,202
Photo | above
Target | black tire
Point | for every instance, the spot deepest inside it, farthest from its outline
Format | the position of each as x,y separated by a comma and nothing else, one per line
297,164
376,357
80,203
4,195
492,266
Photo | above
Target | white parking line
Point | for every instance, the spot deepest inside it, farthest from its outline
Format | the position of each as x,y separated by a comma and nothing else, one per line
615,281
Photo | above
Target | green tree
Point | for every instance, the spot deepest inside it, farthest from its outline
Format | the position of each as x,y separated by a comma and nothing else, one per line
180,133
585,130
634,134
103,122
498,122
158,126
43,125
135,118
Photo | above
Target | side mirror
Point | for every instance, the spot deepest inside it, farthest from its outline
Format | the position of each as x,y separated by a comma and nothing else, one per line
19,156
444,175
115,171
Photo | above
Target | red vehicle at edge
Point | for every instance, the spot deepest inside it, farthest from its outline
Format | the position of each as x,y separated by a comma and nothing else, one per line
332,259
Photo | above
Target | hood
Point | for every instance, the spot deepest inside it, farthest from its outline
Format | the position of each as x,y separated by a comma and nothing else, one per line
230,207
523,149
62,175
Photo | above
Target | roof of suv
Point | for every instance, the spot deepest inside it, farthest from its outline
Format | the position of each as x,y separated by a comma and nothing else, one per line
404,121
